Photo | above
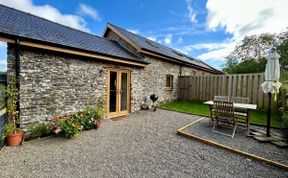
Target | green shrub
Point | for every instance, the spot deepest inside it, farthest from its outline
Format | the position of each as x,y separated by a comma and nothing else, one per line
71,125
71,128
86,120
10,127
284,116
39,130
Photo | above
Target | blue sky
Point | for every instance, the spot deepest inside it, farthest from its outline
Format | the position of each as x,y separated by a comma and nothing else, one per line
204,29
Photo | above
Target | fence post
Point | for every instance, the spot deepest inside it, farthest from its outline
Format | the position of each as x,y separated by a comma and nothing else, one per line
202,88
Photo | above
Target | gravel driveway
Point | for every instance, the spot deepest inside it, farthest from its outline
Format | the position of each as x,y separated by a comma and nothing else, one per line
144,144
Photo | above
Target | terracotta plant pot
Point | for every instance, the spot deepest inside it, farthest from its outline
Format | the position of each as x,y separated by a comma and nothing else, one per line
98,124
14,139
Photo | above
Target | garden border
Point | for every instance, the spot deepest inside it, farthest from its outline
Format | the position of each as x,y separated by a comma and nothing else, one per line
230,149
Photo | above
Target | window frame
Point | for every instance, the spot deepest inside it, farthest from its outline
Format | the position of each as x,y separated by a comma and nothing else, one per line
170,78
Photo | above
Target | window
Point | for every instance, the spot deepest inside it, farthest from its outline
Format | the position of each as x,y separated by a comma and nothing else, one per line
169,82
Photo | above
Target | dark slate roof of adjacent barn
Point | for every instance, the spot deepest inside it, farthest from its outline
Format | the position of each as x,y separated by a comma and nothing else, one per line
155,47
17,23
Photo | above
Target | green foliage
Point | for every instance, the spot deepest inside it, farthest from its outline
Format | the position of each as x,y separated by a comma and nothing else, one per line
2,99
284,115
10,128
254,47
86,119
70,125
232,66
71,128
248,57
282,49
39,130
12,93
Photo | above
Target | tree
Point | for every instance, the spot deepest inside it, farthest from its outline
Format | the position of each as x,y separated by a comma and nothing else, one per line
249,56
282,49
254,47
233,66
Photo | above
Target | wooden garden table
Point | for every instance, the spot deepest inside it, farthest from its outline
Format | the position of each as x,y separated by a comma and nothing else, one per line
243,106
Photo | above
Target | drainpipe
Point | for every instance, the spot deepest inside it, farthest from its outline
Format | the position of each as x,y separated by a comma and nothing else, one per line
180,72
17,74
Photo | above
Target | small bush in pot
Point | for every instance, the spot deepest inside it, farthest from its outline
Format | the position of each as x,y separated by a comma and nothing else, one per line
13,134
100,114
100,111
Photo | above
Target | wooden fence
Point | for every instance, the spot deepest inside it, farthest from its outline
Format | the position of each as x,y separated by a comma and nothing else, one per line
203,88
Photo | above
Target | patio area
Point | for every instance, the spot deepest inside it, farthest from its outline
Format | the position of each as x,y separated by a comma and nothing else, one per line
144,144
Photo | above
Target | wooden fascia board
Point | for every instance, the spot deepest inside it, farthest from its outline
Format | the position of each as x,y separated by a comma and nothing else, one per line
74,52
141,50
171,59
130,42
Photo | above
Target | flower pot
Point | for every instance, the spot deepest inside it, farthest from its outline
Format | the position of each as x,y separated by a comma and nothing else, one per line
14,139
98,124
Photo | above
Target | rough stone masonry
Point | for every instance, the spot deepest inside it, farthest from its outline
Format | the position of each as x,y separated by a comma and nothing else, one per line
55,83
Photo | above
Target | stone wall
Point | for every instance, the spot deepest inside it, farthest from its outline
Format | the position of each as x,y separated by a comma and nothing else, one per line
53,83
155,73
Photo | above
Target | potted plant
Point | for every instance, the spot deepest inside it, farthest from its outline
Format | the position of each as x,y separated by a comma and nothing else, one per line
100,113
13,134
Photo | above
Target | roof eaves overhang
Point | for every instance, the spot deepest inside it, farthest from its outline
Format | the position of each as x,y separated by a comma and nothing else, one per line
69,50
153,53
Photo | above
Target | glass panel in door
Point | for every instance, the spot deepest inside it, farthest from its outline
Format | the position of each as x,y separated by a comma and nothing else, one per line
123,91
113,91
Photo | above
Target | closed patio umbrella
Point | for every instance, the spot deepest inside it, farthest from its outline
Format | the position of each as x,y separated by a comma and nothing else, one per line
271,83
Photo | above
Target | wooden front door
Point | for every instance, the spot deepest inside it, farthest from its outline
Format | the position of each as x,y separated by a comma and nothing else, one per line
118,93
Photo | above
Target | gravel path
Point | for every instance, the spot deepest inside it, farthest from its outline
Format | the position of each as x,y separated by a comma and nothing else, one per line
267,150
143,145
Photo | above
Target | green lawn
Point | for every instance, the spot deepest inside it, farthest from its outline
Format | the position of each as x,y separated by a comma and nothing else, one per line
258,117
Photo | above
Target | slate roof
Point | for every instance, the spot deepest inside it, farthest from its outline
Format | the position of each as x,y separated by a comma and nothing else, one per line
155,47
17,23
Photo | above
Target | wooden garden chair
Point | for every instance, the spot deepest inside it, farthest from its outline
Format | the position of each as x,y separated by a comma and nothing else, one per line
241,113
217,98
224,113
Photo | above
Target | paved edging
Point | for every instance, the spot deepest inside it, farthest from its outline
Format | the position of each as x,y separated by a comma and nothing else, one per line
224,147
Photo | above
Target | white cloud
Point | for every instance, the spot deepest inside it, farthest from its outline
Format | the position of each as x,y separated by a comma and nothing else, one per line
206,46
168,39
48,12
218,54
191,12
152,38
243,17
135,31
90,11
180,40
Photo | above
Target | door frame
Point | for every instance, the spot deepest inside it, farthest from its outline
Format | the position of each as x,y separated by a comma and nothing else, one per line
118,112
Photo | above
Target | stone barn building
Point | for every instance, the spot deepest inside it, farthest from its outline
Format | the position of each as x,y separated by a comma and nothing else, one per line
63,70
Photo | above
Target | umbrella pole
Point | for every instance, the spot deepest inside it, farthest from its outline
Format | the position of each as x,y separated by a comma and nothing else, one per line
268,114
